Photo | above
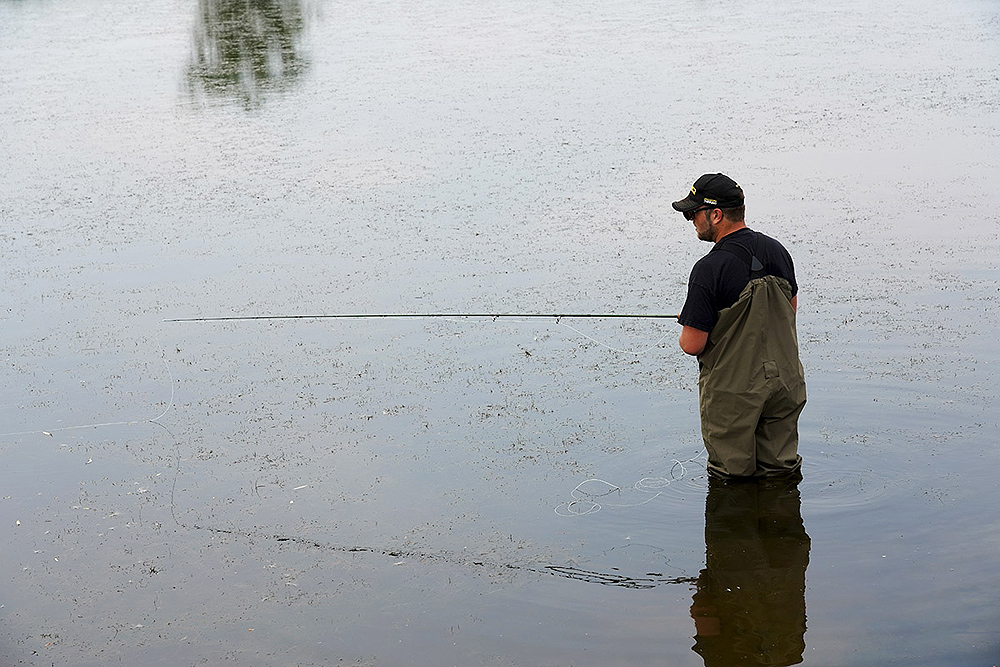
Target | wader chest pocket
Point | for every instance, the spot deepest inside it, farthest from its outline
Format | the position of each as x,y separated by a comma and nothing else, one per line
770,370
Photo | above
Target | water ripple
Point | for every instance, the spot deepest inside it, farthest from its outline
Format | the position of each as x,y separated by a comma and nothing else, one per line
844,486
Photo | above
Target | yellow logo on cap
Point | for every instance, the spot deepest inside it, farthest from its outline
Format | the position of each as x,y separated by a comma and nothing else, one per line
693,191
710,201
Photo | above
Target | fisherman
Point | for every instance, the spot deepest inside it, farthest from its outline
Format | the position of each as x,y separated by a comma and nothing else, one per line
739,319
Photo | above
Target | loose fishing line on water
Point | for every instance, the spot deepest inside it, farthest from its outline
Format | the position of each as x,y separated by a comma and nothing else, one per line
575,507
155,420
581,497
585,502
512,319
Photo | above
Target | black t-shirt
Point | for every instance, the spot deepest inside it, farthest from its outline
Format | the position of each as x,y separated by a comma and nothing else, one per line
719,277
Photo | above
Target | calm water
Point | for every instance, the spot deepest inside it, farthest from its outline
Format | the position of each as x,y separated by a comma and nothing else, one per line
467,491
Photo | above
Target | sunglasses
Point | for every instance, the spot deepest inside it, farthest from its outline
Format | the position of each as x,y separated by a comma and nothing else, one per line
689,215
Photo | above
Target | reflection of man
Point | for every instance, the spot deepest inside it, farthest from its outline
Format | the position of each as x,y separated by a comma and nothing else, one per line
739,318
749,605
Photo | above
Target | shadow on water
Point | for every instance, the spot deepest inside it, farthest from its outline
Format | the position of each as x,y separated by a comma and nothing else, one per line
749,603
245,48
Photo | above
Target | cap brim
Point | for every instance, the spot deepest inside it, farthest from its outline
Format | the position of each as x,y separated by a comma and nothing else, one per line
687,204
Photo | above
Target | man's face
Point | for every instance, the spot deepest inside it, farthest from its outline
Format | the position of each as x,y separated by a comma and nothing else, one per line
702,221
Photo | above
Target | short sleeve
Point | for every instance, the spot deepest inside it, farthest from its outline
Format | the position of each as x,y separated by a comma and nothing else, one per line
699,306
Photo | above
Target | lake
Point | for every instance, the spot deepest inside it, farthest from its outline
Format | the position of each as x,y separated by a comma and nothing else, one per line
469,490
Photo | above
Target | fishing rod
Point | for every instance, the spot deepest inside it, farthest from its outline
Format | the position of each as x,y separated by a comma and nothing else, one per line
359,316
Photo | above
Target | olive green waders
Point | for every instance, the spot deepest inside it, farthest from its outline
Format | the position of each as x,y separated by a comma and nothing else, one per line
752,386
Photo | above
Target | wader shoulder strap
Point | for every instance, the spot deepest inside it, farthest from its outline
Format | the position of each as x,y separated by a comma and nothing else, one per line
754,265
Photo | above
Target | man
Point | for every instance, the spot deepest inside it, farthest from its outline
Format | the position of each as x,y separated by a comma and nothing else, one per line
739,319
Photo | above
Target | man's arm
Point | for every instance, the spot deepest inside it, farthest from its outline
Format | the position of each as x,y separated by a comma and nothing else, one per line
693,340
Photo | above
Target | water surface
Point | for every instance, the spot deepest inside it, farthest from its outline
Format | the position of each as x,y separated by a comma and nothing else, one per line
474,491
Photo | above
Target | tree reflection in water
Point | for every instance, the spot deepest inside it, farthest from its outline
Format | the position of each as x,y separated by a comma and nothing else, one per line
243,48
749,604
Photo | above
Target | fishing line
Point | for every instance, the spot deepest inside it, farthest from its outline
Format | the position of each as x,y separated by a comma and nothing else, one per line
585,502
455,317
154,420
451,316
558,317
356,316
615,349
512,320
649,580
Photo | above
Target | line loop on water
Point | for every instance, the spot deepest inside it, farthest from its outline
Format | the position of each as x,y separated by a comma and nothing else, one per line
585,502
130,422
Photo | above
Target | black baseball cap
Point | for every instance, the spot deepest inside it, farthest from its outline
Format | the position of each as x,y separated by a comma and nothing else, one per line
716,190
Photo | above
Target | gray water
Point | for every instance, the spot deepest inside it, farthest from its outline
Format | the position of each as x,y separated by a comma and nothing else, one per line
472,491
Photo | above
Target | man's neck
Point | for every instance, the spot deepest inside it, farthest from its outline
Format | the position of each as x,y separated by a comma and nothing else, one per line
729,228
